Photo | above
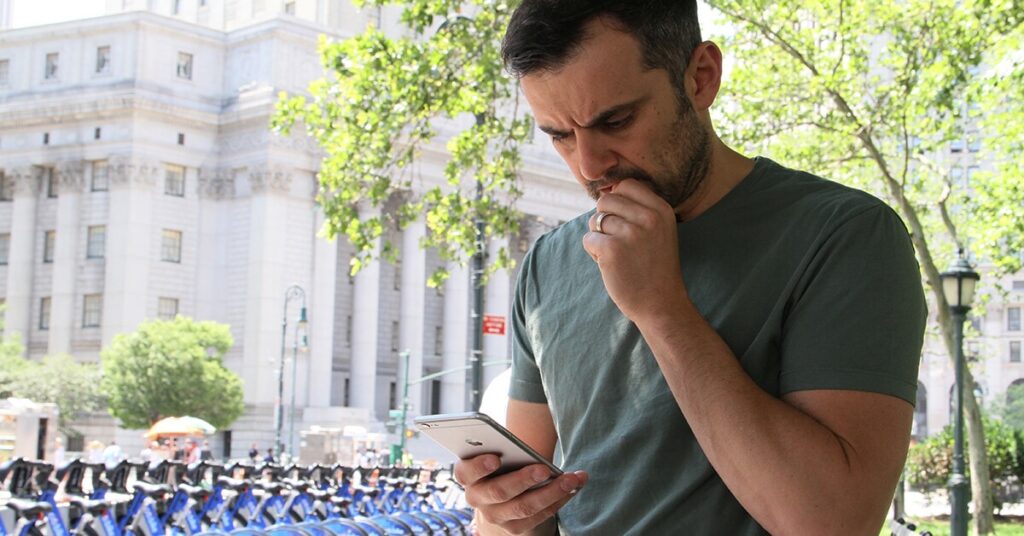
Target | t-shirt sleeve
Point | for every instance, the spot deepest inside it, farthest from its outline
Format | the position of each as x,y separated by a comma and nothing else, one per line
525,384
857,315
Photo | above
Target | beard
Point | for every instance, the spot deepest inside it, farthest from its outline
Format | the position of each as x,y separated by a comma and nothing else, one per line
686,162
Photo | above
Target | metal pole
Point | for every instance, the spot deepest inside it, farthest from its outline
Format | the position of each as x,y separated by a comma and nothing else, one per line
477,356
291,416
405,400
958,484
279,401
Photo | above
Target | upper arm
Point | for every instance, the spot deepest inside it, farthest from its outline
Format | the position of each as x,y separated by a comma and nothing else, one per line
874,432
532,423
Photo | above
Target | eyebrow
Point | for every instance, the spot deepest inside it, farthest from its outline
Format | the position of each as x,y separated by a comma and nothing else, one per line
600,118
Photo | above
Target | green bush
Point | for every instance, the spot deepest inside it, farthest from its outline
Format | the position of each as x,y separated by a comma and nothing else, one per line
930,462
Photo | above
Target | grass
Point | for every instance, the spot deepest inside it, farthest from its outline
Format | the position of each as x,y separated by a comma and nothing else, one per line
1005,526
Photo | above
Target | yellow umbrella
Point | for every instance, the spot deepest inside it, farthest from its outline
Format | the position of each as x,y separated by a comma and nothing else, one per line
173,427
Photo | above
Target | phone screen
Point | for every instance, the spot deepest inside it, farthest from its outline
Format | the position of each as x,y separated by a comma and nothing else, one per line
471,434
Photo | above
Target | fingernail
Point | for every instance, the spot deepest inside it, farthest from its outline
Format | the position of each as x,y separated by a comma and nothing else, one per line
540,475
569,484
490,464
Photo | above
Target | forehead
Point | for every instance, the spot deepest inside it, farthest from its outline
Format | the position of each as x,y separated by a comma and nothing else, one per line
607,70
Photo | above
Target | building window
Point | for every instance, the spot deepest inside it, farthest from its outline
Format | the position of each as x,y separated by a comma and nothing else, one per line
1014,351
1018,285
969,178
345,396
167,308
397,284
96,133
289,8
174,181
394,335
176,8
5,248
181,138
100,176
393,395
49,241
185,65
348,330
97,242
102,60
92,310
1013,319
5,67
46,138
973,142
170,246
438,340
956,176
6,187
52,61
435,396
52,188
44,313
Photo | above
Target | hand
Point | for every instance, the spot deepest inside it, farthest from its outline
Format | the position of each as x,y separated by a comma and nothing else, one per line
637,251
505,504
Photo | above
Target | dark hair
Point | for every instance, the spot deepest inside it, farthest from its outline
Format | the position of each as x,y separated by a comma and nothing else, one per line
544,35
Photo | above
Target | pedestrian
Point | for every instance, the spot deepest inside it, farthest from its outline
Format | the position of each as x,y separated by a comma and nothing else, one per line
191,453
58,452
204,452
254,453
269,458
723,345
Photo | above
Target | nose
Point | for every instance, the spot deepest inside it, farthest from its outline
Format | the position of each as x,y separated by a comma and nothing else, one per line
594,157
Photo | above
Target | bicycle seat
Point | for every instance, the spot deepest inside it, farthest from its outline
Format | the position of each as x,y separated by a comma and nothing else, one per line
27,508
195,492
232,483
155,491
270,487
319,494
88,505
340,501
372,492
298,485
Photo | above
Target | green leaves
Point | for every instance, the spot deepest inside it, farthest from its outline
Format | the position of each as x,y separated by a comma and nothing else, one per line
171,368
386,101
60,379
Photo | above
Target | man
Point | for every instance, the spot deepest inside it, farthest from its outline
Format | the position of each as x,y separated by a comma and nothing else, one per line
724,346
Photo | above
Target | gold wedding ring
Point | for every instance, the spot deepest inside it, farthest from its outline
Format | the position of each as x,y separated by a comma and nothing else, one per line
597,224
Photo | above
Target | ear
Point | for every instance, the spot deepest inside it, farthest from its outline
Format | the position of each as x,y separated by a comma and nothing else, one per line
704,75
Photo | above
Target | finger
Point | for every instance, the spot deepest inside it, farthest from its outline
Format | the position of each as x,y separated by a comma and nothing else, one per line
533,507
506,487
467,472
597,220
596,244
547,513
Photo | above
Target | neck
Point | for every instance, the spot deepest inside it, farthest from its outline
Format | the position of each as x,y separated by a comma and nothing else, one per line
726,169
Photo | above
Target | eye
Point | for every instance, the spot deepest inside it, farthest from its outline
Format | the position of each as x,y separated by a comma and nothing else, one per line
618,123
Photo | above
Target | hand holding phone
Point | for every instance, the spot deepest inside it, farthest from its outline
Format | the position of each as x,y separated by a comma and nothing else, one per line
509,485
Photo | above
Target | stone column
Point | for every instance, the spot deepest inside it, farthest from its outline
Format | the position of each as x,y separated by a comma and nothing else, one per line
322,308
216,185
365,315
71,181
497,302
412,308
27,183
266,285
454,396
130,250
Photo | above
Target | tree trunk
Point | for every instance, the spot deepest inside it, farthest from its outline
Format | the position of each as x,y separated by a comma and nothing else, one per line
981,490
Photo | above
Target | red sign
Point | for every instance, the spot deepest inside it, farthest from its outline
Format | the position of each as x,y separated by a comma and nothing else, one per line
494,325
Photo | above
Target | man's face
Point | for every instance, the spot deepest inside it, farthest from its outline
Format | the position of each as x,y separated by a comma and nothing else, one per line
610,118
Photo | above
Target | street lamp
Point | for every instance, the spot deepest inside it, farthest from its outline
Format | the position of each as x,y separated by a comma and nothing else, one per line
298,343
958,284
290,294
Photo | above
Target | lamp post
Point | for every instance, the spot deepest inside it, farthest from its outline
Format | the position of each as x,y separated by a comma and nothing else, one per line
298,343
958,284
290,294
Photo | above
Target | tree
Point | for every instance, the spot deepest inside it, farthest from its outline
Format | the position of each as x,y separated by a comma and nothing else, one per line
383,101
74,387
11,362
872,94
171,368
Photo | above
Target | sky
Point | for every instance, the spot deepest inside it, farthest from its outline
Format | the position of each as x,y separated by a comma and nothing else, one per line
36,12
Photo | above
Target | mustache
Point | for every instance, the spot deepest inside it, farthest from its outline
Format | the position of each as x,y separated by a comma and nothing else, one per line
616,176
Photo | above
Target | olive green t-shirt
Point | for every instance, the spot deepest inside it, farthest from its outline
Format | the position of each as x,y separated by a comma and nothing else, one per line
812,285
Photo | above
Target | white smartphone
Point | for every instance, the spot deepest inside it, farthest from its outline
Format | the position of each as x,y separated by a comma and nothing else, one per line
470,434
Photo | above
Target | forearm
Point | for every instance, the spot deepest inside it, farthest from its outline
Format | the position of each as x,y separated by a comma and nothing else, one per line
792,473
